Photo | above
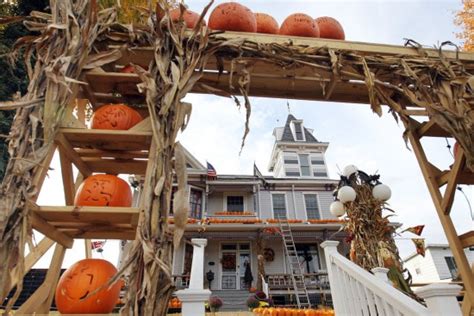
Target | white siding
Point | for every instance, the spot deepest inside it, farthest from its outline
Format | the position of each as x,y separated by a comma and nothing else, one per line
439,254
300,207
325,200
278,264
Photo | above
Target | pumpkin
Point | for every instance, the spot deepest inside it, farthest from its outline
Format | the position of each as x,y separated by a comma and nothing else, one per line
190,18
299,24
330,28
103,190
116,117
266,24
232,16
83,278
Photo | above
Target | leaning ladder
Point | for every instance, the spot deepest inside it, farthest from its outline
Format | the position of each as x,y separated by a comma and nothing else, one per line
296,272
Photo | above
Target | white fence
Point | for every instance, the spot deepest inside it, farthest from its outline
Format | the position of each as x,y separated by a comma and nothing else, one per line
357,292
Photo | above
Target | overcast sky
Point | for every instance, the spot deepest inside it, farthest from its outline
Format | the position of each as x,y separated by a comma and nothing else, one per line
356,135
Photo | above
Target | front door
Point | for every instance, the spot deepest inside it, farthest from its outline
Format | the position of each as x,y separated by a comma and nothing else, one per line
234,263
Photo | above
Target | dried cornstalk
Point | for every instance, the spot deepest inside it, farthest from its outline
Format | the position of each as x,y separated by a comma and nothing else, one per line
61,51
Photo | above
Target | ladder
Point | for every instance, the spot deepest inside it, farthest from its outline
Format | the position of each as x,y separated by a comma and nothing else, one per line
294,265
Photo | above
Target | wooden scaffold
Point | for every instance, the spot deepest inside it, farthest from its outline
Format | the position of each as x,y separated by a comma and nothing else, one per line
78,55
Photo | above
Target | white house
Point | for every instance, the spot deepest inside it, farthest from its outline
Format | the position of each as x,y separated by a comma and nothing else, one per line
437,265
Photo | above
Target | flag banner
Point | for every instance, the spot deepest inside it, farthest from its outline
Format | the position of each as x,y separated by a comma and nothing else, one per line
97,244
211,171
419,245
417,230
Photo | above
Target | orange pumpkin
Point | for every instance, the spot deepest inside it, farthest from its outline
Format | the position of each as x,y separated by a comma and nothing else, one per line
83,278
299,24
232,16
190,18
266,24
104,190
330,28
116,117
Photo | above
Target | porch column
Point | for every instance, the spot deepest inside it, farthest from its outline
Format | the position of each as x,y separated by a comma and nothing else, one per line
194,297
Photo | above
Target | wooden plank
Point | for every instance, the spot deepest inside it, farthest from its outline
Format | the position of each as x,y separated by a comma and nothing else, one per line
464,177
467,239
88,248
40,301
450,191
90,214
107,139
432,129
116,166
446,221
143,55
97,153
49,231
143,126
68,151
120,234
33,256
67,175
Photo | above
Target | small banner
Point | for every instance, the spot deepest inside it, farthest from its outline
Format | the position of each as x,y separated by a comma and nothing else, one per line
420,245
417,230
97,245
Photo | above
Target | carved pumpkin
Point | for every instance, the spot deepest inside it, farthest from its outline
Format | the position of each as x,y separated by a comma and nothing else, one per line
266,24
330,28
190,18
104,190
116,117
299,24
83,278
232,16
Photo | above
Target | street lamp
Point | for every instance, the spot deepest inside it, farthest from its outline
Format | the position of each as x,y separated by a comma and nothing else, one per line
352,177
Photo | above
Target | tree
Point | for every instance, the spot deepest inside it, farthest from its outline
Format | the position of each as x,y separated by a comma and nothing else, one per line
465,19
13,77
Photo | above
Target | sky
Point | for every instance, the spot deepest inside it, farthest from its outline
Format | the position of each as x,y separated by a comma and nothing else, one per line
356,135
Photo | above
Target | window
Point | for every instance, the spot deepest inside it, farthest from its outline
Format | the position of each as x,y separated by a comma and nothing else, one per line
320,174
279,205
195,203
453,269
292,173
317,161
311,203
304,165
308,256
298,131
291,161
235,203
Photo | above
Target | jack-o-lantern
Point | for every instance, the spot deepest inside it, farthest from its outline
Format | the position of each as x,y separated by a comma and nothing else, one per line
104,190
81,279
330,28
116,117
266,24
232,16
190,18
299,24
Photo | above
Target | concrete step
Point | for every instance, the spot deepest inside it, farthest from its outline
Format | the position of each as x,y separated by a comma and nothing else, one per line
233,300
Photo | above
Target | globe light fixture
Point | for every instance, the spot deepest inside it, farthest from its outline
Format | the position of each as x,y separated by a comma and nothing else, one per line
346,194
349,170
381,192
337,208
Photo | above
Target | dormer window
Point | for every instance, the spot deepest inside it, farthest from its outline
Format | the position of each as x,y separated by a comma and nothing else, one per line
298,130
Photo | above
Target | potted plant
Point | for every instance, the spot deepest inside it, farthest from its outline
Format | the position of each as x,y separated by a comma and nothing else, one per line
215,303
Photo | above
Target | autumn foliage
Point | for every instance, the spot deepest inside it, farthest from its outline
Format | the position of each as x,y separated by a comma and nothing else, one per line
465,18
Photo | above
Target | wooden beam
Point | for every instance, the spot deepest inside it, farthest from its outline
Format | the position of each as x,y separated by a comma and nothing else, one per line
143,55
97,153
143,126
67,175
40,301
109,233
50,231
464,177
446,221
116,166
467,239
458,166
70,153
432,129
33,256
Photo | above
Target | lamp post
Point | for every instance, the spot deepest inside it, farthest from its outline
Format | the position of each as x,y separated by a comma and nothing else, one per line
362,199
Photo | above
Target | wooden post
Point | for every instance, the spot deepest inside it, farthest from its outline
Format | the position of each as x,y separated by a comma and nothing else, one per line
40,301
443,213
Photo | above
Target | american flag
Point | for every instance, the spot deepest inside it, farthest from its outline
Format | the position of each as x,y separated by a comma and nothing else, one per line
97,245
211,172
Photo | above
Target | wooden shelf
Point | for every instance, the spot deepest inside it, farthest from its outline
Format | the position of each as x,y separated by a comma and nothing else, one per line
91,222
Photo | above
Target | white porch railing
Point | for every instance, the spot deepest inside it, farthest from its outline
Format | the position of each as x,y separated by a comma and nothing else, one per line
265,287
357,292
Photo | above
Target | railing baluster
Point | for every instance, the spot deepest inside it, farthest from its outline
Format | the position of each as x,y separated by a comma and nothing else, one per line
362,298
370,301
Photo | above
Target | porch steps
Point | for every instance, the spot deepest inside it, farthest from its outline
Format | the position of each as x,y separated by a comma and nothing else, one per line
234,300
